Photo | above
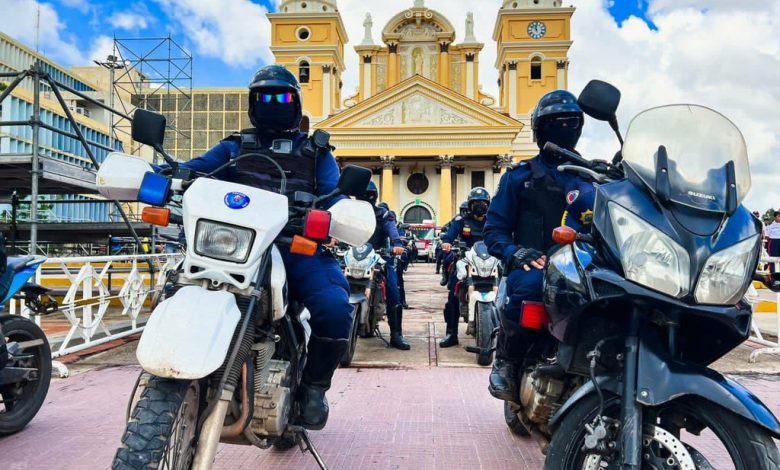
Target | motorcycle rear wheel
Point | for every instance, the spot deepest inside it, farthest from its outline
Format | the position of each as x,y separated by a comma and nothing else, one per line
749,446
353,336
23,400
162,430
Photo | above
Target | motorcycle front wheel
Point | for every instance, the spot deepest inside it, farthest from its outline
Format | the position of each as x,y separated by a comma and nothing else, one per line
353,336
22,400
162,430
688,433
486,323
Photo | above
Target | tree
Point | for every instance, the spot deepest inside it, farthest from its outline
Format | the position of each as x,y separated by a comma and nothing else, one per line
769,215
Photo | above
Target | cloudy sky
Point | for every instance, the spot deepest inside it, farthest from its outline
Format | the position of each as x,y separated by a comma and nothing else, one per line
721,53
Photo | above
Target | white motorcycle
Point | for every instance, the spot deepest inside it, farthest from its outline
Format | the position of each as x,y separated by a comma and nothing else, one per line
223,355
477,274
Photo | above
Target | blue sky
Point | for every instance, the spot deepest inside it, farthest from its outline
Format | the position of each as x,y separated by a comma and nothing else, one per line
85,22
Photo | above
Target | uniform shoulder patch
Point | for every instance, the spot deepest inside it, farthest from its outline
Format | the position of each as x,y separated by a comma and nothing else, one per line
521,164
572,196
458,217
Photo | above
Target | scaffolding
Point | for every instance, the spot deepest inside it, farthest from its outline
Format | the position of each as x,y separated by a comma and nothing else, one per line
156,73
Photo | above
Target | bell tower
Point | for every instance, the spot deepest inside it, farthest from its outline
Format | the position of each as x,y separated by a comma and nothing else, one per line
533,39
308,37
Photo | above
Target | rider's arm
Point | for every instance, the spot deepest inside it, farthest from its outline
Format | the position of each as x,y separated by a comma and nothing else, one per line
456,226
392,232
327,177
217,156
502,215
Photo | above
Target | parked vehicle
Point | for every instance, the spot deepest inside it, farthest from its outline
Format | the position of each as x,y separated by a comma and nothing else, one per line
477,274
25,355
637,310
363,270
424,236
225,352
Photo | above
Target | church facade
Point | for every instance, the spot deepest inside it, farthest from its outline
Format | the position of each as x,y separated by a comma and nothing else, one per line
419,118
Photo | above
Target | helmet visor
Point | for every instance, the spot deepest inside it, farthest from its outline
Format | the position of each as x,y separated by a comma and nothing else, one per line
267,98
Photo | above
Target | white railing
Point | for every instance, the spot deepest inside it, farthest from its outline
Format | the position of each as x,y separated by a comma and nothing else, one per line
770,346
89,296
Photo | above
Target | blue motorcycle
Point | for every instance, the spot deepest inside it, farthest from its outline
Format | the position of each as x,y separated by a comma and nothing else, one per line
25,355
636,311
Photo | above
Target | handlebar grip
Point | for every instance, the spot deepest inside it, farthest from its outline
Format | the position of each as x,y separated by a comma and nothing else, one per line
560,151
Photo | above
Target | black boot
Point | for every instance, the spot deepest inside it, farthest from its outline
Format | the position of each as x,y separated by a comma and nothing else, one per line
510,348
451,339
322,359
397,339
445,277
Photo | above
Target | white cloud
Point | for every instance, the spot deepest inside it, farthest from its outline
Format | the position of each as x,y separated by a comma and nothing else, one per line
82,5
235,31
101,47
129,21
20,19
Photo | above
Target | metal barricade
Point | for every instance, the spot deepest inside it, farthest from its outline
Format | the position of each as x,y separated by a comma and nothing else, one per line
770,346
90,294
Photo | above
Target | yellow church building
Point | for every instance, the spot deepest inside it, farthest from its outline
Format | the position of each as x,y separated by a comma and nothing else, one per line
420,119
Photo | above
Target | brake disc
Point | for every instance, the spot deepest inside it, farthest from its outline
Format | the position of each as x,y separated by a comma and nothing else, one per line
678,456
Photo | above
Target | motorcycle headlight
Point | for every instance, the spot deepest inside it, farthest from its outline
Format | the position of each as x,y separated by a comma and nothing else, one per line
222,241
357,269
649,257
483,267
725,275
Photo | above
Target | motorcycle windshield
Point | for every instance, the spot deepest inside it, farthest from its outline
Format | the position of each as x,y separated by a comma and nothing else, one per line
699,143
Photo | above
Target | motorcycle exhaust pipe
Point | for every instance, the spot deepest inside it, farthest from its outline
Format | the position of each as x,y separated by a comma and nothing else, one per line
235,429
209,435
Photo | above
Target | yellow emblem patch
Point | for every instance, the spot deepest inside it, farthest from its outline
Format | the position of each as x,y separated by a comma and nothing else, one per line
586,217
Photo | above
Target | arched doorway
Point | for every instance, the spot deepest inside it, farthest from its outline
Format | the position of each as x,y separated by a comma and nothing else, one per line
416,215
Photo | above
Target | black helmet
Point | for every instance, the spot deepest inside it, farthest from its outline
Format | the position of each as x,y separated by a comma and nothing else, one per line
557,119
371,194
464,209
478,201
275,100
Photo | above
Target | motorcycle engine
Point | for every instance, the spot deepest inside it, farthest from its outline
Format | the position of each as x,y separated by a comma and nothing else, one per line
273,401
540,395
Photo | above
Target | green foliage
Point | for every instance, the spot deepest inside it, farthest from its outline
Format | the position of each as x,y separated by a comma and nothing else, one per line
769,215
3,86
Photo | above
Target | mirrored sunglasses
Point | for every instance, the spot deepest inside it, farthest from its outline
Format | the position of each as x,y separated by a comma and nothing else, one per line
283,98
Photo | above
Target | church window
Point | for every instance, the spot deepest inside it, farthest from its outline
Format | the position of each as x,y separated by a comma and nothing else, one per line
303,72
417,214
303,33
303,5
477,179
536,69
417,183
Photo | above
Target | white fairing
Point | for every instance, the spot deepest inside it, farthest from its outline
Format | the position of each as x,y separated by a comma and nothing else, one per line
188,335
304,318
120,176
352,222
461,268
266,214
278,284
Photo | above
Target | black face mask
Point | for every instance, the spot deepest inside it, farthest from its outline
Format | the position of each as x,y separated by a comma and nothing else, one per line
371,198
563,131
478,209
275,116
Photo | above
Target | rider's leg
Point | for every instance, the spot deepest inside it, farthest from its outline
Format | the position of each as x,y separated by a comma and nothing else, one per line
394,308
512,341
318,282
451,313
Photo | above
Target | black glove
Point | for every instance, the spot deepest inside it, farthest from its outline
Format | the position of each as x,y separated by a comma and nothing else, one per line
523,257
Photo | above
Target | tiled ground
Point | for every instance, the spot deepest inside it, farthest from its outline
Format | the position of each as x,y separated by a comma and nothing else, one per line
423,409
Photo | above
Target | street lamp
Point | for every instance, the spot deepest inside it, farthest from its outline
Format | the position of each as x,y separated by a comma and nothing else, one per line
111,63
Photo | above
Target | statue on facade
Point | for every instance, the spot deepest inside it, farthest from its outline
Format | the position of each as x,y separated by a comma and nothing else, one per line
368,23
470,28
418,61
419,3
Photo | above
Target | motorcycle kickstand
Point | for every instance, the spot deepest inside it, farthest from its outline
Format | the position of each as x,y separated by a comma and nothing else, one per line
305,444
379,335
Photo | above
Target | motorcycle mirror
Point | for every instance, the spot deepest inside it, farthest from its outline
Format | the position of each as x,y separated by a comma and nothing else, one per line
599,100
148,128
354,180
564,235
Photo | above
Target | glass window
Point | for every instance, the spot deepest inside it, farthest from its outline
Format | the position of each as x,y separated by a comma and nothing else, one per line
477,179
231,102
536,69
216,102
232,121
199,140
303,72
417,183
199,121
416,214
184,103
216,121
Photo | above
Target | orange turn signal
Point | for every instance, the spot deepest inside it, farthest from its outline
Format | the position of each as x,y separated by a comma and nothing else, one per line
156,216
303,246
564,235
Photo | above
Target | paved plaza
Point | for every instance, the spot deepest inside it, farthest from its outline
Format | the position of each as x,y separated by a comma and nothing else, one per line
424,409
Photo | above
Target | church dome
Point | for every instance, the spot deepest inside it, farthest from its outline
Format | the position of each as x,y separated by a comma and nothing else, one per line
519,4
308,6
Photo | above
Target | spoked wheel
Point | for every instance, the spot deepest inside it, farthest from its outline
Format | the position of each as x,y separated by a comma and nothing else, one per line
162,431
22,400
687,434
350,352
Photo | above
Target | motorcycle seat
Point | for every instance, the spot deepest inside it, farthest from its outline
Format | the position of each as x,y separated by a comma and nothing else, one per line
13,265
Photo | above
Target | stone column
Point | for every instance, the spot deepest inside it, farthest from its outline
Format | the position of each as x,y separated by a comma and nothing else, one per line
445,188
366,74
392,66
444,64
325,91
512,66
388,188
470,75
562,79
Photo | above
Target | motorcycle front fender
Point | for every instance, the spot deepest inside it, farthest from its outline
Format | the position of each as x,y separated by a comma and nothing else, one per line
189,334
662,380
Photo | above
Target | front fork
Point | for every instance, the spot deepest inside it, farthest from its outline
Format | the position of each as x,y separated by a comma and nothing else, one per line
631,410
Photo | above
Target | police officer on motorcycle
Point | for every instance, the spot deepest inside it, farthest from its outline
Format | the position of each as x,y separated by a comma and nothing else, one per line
446,259
385,236
469,230
529,204
275,111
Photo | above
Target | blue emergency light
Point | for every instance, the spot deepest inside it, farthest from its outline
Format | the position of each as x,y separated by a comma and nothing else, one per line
155,189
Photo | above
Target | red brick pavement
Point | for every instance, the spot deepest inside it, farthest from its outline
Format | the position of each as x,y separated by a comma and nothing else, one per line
425,418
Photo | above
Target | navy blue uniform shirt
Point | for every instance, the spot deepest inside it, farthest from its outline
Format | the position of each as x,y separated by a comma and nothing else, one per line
457,229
